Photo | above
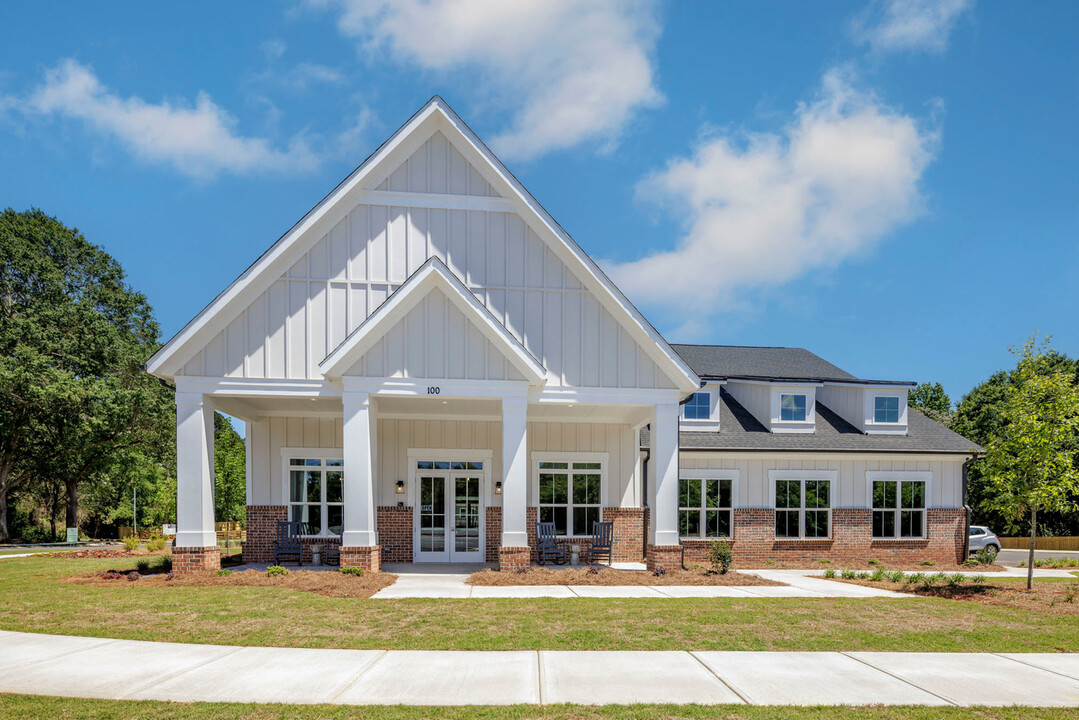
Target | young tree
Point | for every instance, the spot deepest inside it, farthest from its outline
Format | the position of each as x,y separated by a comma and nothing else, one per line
1030,463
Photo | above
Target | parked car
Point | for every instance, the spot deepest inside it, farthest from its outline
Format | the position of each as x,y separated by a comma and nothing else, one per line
981,536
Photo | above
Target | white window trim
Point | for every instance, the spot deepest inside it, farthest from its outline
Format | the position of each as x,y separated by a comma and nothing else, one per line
287,454
830,475
902,476
571,457
871,424
416,455
778,424
712,474
709,424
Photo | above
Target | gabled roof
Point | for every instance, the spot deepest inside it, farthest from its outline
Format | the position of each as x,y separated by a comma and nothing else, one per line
765,363
432,274
435,115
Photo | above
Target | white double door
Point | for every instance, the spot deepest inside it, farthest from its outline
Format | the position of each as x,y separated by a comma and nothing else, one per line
449,518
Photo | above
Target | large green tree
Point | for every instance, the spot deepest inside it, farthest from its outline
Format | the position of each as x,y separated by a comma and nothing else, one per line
230,472
73,337
931,399
1030,461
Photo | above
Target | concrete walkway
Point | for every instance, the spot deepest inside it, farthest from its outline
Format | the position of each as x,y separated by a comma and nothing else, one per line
128,669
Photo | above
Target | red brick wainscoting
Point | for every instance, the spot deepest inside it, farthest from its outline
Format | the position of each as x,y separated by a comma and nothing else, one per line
629,545
512,559
262,531
664,557
194,559
754,541
395,533
493,532
368,557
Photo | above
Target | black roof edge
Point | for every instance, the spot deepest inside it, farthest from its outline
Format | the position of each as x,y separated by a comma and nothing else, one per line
842,451
838,381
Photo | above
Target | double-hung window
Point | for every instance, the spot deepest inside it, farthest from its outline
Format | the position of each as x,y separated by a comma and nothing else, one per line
316,494
803,508
570,495
697,407
704,507
886,409
792,408
898,506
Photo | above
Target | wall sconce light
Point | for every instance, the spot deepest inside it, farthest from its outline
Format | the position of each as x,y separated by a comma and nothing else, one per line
400,487
498,487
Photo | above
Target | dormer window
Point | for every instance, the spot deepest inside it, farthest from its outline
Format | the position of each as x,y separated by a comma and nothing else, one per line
792,408
886,409
698,407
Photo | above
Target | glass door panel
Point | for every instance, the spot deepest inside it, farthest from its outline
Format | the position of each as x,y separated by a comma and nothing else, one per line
466,515
432,515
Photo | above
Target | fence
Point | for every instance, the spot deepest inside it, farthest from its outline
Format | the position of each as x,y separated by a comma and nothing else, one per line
1046,543
235,531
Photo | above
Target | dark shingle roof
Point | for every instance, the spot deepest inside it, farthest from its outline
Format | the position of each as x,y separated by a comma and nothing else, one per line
739,430
724,361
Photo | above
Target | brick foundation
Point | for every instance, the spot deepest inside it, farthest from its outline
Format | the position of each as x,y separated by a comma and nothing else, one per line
395,533
512,559
754,541
664,557
195,559
262,531
368,557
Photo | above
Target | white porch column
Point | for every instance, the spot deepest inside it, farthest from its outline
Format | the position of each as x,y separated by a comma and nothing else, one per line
194,471
514,473
359,528
663,491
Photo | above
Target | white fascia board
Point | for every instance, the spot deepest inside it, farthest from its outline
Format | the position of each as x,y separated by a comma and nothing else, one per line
273,263
604,396
257,387
571,253
432,274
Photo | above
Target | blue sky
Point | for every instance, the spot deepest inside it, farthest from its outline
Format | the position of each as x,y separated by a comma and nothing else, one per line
892,185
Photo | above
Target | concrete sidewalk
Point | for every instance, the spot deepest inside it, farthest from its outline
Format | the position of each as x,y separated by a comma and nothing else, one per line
128,669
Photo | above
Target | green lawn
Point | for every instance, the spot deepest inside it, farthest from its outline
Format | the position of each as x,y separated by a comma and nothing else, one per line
30,706
33,598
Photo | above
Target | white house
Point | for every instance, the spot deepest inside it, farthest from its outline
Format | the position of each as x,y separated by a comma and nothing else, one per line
427,364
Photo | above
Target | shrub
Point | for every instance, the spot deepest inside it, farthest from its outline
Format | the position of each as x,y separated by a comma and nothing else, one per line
658,572
914,578
829,573
142,565
896,576
878,574
165,563
131,543
978,579
357,571
155,543
874,562
111,575
986,556
864,576
825,562
275,570
223,573
927,563
848,574
955,580
971,562
133,576
769,562
720,556
594,569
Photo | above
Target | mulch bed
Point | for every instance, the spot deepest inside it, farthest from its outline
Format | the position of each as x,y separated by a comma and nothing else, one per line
98,553
1052,598
327,583
607,576
838,565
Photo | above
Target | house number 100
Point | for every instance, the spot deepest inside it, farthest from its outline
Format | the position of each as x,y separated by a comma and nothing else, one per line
433,390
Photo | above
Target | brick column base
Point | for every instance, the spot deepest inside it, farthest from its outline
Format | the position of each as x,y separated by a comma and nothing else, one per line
664,557
262,531
195,559
629,533
512,559
367,557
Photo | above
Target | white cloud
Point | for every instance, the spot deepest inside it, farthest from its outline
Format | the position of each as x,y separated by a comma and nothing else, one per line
197,140
569,71
761,210
908,24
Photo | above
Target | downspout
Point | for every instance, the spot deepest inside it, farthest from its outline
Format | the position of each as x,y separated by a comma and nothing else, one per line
644,490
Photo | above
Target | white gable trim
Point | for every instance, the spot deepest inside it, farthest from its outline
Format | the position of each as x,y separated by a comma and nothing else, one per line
434,116
432,274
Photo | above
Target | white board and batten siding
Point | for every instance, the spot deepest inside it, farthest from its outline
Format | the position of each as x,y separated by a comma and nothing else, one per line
306,313
945,489
396,437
